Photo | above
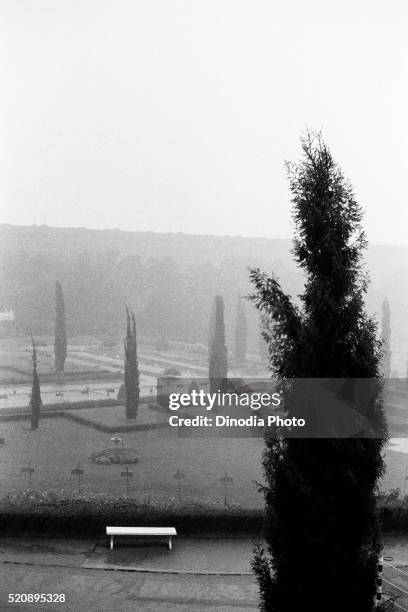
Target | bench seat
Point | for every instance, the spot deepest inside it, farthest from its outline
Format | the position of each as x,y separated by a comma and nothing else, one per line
141,531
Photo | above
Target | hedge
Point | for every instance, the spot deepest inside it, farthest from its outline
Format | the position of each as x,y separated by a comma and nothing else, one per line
65,414
88,518
9,414
85,518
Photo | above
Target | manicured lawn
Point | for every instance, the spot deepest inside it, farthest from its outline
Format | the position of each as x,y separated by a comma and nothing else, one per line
58,445
17,365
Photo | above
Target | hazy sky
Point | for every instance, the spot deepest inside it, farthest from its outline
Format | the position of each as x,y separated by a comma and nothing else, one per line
176,115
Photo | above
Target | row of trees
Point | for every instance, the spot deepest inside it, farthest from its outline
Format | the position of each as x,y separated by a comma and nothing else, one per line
218,354
241,328
241,332
131,368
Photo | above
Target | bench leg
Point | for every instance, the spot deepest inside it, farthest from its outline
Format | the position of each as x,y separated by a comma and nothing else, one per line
111,542
170,544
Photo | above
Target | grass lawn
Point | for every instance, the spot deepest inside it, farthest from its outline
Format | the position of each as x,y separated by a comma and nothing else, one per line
17,365
58,445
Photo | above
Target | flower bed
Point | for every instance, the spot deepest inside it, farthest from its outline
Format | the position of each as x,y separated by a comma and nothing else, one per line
118,454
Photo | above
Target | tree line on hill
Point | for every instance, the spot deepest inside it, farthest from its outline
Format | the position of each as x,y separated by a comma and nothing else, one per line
170,302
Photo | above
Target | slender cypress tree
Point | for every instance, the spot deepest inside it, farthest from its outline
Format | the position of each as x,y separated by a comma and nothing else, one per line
132,390
211,327
321,529
241,333
386,335
35,401
218,366
60,341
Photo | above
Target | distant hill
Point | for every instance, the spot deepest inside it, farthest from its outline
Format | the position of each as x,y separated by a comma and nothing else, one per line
184,248
203,264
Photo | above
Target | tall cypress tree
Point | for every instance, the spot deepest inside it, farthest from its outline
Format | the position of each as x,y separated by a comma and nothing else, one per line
211,327
218,366
241,333
321,530
132,390
35,401
60,340
386,335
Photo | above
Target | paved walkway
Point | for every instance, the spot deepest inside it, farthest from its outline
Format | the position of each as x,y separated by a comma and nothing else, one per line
198,574
96,591
207,556
199,556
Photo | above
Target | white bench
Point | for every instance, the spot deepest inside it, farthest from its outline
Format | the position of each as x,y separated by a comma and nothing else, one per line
141,531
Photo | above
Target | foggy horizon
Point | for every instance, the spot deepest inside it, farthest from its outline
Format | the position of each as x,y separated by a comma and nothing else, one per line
288,237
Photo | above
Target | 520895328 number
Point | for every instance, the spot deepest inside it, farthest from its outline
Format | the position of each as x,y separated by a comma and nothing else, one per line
36,598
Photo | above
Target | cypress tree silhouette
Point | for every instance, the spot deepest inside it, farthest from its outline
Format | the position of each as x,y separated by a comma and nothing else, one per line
60,340
211,327
35,401
321,526
131,381
218,366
